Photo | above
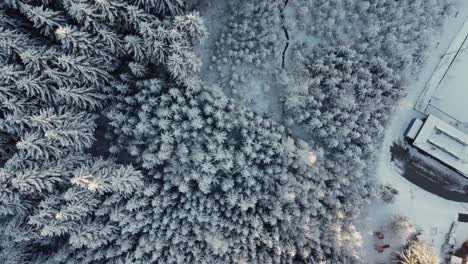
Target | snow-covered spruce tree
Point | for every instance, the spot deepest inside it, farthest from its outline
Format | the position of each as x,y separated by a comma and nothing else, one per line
47,98
119,31
51,209
387,193
417,252
115,35
402,228
164,7
45,122
344,99
45,92
217,168
224,185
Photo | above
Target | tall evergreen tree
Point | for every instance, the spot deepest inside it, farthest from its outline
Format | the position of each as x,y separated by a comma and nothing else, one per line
48,97
119,30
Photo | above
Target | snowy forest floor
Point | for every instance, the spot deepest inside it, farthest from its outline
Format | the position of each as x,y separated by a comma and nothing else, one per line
260,88
253,92
430,213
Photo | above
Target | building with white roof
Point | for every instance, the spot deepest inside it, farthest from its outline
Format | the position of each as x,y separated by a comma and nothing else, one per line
443,142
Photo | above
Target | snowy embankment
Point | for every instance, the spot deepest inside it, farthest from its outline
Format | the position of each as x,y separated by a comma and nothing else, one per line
429,213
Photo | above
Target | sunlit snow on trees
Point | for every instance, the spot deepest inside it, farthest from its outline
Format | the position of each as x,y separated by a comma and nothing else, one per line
311,157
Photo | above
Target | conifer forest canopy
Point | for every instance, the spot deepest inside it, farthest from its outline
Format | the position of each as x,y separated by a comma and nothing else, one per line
117,148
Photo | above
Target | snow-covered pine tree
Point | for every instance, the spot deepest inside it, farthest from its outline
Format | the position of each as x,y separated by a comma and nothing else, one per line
119,31
164,7
402,228
217,167
346,99
40,81
212,168
47,123
342,98
387,193
57,203
52,209
417,252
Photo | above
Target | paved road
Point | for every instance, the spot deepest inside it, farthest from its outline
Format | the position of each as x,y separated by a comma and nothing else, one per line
438,179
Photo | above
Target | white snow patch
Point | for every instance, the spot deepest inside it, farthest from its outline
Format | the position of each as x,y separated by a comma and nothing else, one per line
452,94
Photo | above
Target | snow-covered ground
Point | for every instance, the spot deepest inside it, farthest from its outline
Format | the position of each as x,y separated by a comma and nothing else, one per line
444,65
446,92
428,212
452,94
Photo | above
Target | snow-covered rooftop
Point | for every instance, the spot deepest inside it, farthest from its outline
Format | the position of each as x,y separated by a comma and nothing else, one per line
445,143
461,232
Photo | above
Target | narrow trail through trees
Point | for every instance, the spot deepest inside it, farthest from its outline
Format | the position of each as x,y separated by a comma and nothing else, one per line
283,26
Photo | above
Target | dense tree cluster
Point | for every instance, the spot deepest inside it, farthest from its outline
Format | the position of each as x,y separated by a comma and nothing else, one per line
189,176
249,39
119,31
398,31
76,209
249,36
55,197
218,169
344,99
50,188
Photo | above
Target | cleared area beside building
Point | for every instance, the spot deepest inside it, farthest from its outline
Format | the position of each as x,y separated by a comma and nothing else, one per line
446,78
452,95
